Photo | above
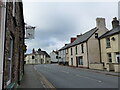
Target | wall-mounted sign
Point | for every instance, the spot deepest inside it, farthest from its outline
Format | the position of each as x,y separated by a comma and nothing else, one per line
30,32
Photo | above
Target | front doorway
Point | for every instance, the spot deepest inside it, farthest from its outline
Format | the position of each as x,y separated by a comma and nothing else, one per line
79,61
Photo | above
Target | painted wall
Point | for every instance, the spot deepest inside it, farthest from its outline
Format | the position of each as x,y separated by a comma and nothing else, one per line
62,56
53,57
2,34
38,59
115,47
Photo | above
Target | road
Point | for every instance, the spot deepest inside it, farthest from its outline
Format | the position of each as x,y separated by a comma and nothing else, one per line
69,77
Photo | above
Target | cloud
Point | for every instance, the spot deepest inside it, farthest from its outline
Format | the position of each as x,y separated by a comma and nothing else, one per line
57,22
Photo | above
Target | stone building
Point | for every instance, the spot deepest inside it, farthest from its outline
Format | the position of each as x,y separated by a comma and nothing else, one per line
13,67
37,57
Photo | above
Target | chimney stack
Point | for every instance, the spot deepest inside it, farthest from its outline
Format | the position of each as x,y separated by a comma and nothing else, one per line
115,22
100,23
66,44
33,51
79,35
72,39
39,49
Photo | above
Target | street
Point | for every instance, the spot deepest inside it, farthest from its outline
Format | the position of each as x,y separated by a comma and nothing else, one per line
69,77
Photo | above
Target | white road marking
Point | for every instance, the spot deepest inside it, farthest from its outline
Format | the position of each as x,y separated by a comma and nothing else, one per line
89,78
65,72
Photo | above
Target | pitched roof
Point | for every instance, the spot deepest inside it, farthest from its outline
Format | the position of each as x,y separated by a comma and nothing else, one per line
111,32
81,38
84,37
43,53
64,47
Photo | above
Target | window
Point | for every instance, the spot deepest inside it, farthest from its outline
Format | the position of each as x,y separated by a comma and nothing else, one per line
107,42
72,61
9,61
36,61
13,8
76,49
82,48
118,57
66,51
33,57
109,57
96,35
80,60
71,51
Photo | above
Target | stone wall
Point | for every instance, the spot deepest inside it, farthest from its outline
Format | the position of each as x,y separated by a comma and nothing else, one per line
14,29
97,66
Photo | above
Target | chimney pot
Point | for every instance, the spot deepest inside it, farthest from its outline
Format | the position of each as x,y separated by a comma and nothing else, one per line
115,22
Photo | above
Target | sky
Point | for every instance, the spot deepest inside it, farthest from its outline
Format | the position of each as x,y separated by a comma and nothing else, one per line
57,22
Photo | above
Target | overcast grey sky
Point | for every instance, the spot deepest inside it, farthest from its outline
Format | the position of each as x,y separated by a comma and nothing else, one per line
56,22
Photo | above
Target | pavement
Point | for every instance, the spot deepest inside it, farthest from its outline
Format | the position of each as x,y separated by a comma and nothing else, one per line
99,71
33,79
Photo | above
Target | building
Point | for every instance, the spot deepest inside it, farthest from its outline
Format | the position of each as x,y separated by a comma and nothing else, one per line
37,57
2,38
119,11
110,47
54,56
85,50
12,28
63,52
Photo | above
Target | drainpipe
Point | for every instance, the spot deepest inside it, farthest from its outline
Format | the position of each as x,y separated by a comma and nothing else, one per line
2,40
100,50
87,54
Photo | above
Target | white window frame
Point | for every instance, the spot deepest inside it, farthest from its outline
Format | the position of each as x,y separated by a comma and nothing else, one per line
109,57
81,60
10,59
13,8
117,55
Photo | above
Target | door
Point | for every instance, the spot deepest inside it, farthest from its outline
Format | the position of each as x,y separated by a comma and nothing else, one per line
77,61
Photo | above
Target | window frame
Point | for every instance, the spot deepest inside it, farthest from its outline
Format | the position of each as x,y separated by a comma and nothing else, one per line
109,57
71,51
108,44
82,48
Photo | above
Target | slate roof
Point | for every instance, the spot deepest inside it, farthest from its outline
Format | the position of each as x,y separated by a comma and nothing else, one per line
64,47
111,32
81,38
43,53
84,37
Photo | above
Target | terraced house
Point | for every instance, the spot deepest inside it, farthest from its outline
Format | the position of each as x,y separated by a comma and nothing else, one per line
84,51
110,47
12,68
